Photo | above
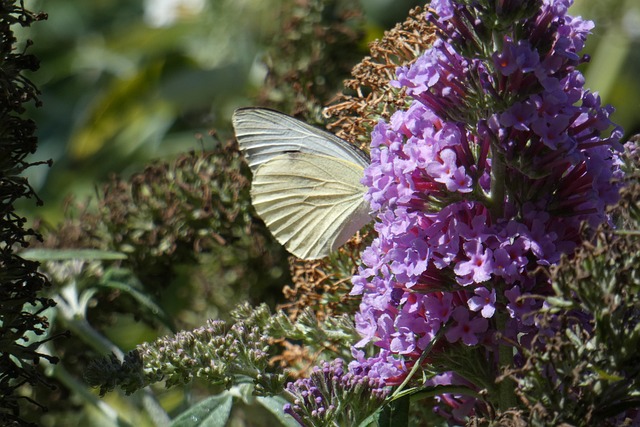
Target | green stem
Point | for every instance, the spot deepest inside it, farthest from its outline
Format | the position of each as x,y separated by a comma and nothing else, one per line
418,363
498,183
507,398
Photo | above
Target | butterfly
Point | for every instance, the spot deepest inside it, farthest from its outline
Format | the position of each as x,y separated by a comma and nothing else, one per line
306,181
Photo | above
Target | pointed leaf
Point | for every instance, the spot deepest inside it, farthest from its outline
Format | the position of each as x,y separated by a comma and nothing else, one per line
211,412
372,420
275,405
70,254
125,281
396,413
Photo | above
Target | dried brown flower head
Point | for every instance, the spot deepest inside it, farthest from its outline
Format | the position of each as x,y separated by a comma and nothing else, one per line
369,96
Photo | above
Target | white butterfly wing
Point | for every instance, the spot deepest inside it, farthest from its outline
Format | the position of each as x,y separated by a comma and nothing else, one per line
263,134
306,181
312,203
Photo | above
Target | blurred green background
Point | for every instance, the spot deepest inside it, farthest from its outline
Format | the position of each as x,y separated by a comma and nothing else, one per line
125,81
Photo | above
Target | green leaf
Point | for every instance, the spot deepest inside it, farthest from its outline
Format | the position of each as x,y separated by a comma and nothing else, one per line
243,390
396,413
604,375
211,412
70,254
372,420
275,405
125,281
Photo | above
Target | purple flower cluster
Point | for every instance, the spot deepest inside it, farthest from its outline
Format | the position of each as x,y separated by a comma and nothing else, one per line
333,396
484,178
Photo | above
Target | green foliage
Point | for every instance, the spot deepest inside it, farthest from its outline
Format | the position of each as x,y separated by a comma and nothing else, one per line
154,243
213,411
396,414
175,215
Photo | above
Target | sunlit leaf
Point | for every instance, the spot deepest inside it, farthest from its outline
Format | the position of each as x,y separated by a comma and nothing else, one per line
275,405
211,412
